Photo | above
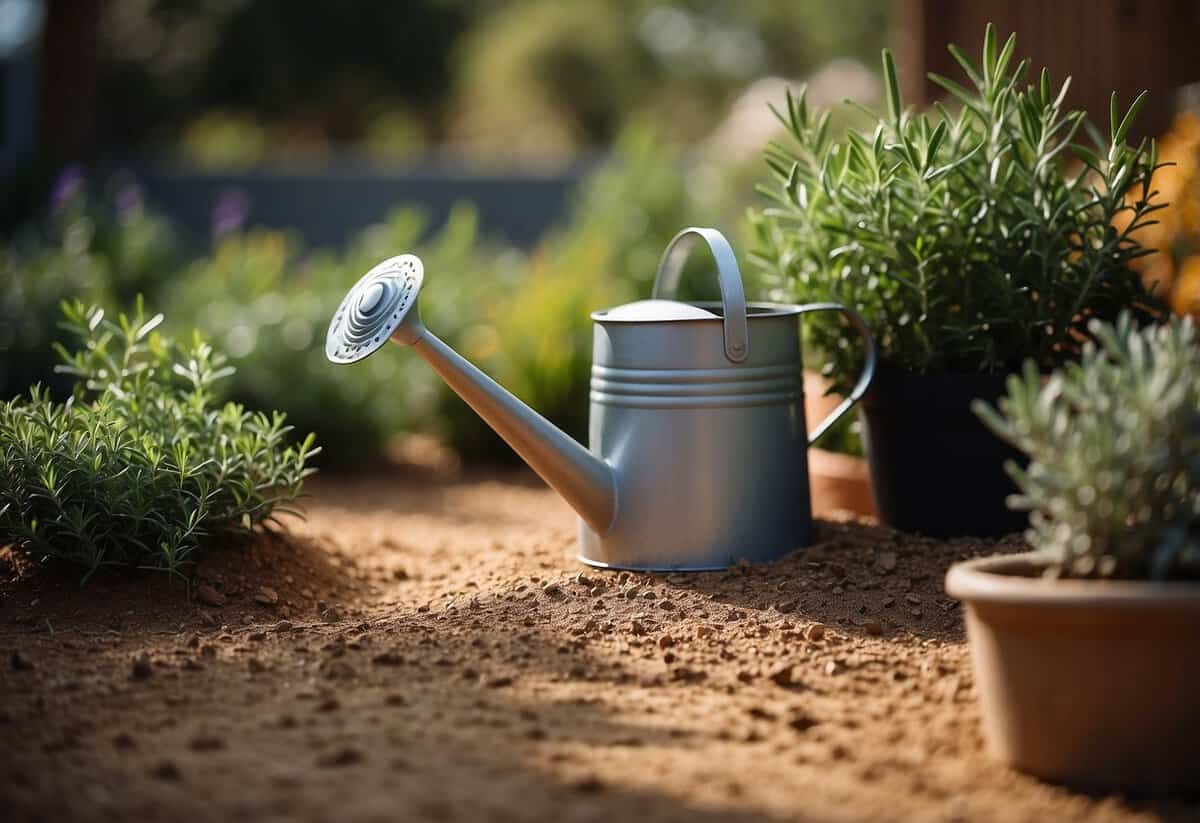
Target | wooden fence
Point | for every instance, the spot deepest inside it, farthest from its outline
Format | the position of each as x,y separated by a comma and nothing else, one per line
1104,45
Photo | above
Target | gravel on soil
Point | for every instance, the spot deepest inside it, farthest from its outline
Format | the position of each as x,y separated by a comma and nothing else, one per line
430,649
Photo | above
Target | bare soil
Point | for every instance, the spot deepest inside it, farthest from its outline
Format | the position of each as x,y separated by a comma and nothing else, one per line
425,649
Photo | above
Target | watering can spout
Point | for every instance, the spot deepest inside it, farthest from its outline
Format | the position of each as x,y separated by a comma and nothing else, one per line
382,306
585,481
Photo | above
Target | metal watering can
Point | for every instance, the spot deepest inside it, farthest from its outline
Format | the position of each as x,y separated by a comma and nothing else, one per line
698,440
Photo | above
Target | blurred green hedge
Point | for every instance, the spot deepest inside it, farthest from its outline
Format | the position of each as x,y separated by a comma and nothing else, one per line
267,300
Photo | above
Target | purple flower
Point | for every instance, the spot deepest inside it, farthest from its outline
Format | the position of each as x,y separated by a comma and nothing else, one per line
67,187
230,212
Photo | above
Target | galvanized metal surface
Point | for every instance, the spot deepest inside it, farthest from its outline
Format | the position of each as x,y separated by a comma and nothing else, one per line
698,443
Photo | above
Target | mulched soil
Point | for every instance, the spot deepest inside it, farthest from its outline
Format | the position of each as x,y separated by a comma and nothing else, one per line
425,648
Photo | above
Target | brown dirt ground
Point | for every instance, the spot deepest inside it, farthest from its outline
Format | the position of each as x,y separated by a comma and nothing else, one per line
425,648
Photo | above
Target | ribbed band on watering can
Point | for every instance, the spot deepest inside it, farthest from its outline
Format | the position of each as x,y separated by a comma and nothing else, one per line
729,278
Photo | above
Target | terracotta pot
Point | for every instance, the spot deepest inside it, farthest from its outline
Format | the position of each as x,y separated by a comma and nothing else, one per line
839,482
1085,682
817,404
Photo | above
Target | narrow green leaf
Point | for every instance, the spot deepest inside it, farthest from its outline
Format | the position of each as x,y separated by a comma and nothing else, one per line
1122,130
892,83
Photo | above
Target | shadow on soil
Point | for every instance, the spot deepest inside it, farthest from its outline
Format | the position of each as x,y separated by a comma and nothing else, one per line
396,716
502,706
54,597
861,578
402,717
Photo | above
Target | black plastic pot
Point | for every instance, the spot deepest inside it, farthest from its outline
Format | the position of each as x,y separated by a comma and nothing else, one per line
935,468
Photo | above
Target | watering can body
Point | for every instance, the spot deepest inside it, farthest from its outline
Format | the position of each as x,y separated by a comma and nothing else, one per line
709,455
697,453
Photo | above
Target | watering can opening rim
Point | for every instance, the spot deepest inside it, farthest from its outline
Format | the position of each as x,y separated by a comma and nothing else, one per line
753,311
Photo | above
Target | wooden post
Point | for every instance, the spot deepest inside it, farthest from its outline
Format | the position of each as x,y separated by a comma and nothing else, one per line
1125,46
70,65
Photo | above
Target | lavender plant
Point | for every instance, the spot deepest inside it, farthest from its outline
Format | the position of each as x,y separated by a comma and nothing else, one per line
1113,483
141,467
970,240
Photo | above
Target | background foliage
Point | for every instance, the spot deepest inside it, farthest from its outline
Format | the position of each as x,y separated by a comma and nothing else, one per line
266,300
539,79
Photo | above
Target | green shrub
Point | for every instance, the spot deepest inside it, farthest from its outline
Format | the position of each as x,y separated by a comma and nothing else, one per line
141,467
969,241
1113,483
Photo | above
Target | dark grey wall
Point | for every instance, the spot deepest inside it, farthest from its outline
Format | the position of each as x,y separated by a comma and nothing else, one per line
329,205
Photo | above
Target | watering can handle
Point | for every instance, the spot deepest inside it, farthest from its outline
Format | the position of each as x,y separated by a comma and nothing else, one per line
868,369
733,298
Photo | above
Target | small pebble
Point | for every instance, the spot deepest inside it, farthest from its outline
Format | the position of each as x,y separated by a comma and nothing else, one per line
209,596
786,677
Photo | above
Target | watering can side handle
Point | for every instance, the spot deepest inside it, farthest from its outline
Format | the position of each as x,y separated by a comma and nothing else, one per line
729,278
868,369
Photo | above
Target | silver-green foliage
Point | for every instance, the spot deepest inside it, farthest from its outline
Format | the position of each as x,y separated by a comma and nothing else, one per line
1113,482
970,240
141,465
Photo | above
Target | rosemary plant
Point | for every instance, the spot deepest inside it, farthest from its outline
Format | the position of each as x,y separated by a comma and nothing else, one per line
1113,483
141,466
971,239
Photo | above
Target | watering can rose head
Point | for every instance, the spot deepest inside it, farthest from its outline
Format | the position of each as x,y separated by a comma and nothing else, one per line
698,442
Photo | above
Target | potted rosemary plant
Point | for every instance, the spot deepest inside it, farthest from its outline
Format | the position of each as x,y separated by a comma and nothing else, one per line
1085,650
970,240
